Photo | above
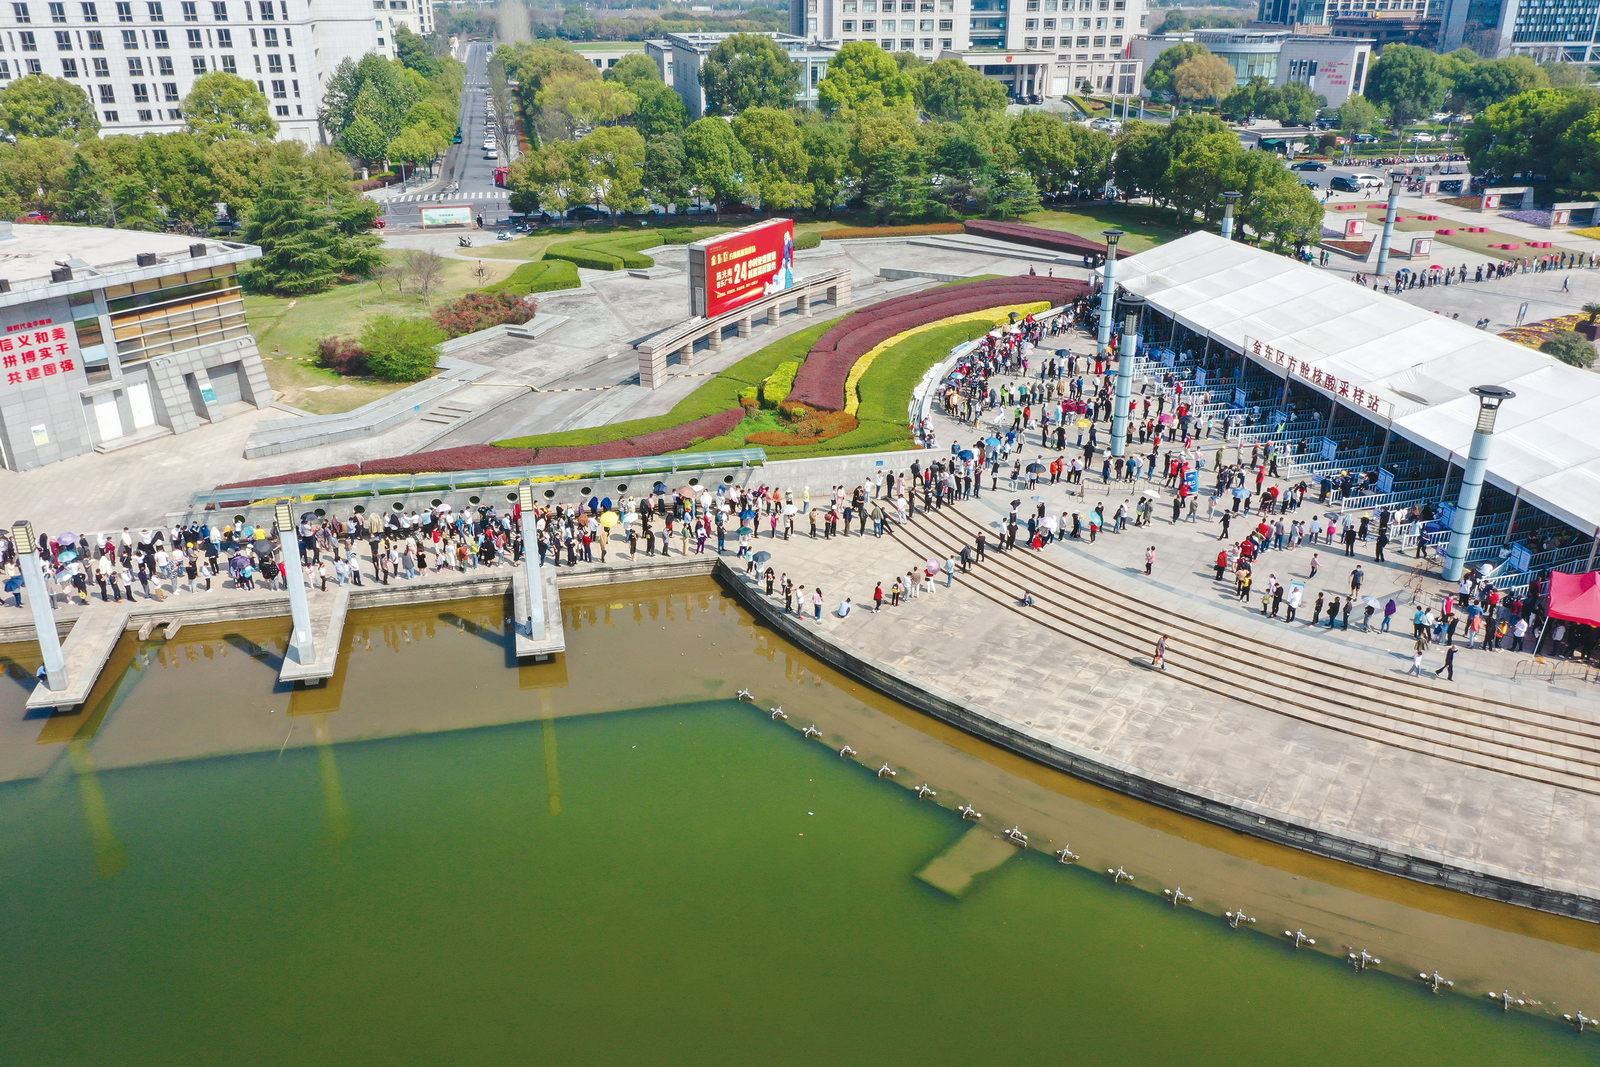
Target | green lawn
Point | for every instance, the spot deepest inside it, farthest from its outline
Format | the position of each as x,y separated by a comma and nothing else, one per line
287,330
1145,225
1471,242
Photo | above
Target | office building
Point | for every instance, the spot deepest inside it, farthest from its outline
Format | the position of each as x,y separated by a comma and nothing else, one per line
681,55
1336,67
1043,47
137,59
112,337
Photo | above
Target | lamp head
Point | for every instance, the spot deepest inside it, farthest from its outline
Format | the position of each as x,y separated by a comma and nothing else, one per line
1490,397
1232,198
525,496
1112,237
22,535
284,516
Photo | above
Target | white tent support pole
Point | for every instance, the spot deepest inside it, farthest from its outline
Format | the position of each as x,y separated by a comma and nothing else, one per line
1511,526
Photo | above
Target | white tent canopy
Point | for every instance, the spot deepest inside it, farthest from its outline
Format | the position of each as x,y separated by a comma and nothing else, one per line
1415,366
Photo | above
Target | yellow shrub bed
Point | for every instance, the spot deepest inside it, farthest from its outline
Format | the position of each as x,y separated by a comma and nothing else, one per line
993,316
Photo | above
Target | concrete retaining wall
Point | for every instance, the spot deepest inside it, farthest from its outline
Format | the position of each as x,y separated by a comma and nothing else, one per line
1236,815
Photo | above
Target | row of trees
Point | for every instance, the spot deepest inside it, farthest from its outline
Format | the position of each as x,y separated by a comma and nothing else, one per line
1409,82
401,110
576,24
219,107
1545,135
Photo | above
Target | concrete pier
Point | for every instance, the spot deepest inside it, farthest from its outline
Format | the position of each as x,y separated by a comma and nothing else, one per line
536,604
315,665
87,648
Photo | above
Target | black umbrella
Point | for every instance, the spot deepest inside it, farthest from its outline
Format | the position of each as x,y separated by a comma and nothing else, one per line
761,557
1017,503
1036,468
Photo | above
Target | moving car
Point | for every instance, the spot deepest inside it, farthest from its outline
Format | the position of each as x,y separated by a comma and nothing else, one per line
35,216
1310,164
1366,138
1422,138
1343,184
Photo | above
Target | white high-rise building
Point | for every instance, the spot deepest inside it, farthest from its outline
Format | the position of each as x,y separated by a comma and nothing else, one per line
137,59
1034,47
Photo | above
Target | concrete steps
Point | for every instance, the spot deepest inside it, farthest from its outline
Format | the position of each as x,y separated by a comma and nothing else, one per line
1334,688
447,413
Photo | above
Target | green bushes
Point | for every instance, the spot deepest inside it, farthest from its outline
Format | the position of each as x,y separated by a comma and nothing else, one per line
541,277
885,389
401,348
807,239
775,389
620,250
590,256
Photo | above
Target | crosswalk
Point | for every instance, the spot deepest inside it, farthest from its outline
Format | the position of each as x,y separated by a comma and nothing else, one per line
451,198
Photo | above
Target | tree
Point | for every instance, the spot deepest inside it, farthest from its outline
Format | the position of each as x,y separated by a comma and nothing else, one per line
949,90
1549,132
365,140
1199,172
401,348
38,105
860,74
661,110
1295,105
666,171
1409,81
415,53
1569,347
1567,75
1203,78
1045,149
417,145
1091,157
1158,79
1495,80
569,103
892,185
778,163
222,107
1010,193
1255,97
1359,115
424,270
827,148
1141,158
613,157
554,177
748,70
303,248
636,72
716,162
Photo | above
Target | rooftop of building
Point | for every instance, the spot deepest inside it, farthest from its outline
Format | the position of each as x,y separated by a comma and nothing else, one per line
1253,36
97,256
705,42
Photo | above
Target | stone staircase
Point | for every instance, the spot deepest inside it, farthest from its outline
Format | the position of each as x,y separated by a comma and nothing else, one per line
1530,735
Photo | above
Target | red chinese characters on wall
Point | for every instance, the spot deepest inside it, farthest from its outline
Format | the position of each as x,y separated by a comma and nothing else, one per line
35,352
1313,375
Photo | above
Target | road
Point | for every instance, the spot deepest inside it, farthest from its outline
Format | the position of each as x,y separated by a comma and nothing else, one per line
464,163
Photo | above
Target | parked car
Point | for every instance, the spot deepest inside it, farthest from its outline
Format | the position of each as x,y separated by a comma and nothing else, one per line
584,213
1343,184
378,224
1310,185
1366,138
1422,138
491,153
1310,164
35,216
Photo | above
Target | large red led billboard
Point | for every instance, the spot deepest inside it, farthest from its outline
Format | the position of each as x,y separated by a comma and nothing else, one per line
733,269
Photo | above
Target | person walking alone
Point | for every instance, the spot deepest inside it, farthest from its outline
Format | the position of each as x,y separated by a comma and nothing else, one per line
1448,668
1160,660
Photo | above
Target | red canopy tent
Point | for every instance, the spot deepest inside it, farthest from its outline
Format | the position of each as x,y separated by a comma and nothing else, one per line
1575,597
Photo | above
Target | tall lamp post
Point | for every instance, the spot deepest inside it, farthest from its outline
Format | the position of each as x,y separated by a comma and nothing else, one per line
294,577
1131,306
1388,229
1231,199
1490,397
44,622
1108,294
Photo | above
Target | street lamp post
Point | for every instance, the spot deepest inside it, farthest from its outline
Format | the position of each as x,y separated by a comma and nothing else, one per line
1232,199
294,578
1388,229
44,622
1108,294
1131,306
1490,397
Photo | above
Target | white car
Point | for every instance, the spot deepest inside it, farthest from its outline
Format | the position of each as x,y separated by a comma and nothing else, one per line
491,153
1422,138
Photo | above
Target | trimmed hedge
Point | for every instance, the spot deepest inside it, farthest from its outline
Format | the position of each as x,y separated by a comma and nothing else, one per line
775,390
845,233
621,250
543,276
807,239
1018,233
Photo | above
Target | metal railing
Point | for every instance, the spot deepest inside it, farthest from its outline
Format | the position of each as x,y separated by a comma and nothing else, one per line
391,485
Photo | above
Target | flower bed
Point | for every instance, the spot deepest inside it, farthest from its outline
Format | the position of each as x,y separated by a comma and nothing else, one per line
1445,233
1534,334
845,233
822,378
1359,249
479,311
1532,217
1462,201
1508,248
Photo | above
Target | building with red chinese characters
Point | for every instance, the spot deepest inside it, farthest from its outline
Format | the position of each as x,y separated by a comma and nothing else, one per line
111,337
1372,395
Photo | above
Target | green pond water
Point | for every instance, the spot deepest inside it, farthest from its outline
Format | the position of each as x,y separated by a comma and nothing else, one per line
446,859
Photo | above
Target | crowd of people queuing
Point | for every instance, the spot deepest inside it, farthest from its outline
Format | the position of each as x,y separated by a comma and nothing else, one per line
1422,278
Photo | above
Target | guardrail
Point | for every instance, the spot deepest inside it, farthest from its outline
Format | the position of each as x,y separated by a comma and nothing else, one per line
385,485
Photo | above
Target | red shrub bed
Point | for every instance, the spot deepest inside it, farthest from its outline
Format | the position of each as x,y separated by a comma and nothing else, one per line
479,311
1038,237
342,355
478,457
820,382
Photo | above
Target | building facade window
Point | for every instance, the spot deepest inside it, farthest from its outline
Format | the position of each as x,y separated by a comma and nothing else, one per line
90,13
69,68
141,93
224,38
199,64
229,66
135,67
58,12
20,13
124,11
97,40
108,95
196,40
164,66
130,39
102,67
169,92
153,7
158,39
111,116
